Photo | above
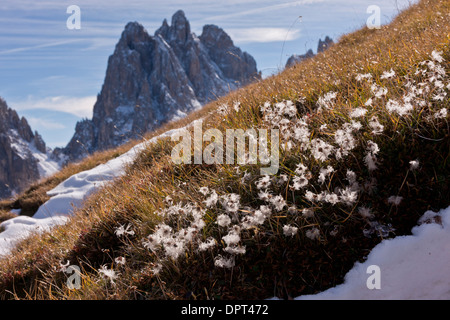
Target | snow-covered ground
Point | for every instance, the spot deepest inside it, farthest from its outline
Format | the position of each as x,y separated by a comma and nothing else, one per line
68,195
25,149
21,227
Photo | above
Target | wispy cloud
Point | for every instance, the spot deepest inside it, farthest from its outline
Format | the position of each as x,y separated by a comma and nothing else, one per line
44,45
261,10
78,106
39,122
261,35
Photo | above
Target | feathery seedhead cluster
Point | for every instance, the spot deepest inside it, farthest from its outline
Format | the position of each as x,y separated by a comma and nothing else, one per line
108,274
170,242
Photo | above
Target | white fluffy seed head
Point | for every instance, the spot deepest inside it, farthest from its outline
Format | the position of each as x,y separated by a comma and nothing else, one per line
289,231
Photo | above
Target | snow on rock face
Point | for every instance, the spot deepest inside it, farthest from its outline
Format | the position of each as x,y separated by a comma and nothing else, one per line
28,151
47,166
411,267
24,157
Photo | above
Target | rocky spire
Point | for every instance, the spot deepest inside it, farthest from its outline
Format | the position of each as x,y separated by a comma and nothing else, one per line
323,45
180,29
234,63
153,79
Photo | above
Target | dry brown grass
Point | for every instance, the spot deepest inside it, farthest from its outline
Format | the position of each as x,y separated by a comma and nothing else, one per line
6,215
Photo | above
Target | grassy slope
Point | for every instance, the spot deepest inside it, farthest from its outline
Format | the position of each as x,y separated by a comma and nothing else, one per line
273,264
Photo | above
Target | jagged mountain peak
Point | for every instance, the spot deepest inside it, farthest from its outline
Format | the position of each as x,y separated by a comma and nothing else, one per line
212,35
153,79
321,47
10,120
133,34
179,21
133,27
179,30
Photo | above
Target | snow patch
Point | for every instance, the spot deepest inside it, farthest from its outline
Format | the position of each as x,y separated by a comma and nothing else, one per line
411,267
70,195
20,228
25,150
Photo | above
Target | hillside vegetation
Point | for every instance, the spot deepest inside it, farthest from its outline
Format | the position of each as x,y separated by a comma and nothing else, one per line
365,151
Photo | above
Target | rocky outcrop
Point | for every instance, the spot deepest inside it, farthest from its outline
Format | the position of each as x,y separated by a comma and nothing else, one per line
19,166
297,58
154,79
322,46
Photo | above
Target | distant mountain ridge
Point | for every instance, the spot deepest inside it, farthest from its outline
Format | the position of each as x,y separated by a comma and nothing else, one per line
296,58
153,79
24,157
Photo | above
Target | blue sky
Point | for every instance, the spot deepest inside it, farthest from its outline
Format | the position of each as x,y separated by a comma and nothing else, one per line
52,75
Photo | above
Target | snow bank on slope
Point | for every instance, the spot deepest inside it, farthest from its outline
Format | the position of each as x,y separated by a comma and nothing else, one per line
21,227
69,195
411,267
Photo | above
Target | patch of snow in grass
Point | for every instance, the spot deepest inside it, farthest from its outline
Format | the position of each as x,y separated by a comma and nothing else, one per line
21,227
412,267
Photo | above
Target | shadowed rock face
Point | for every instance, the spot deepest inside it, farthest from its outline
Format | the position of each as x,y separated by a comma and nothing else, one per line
18,167
153,79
